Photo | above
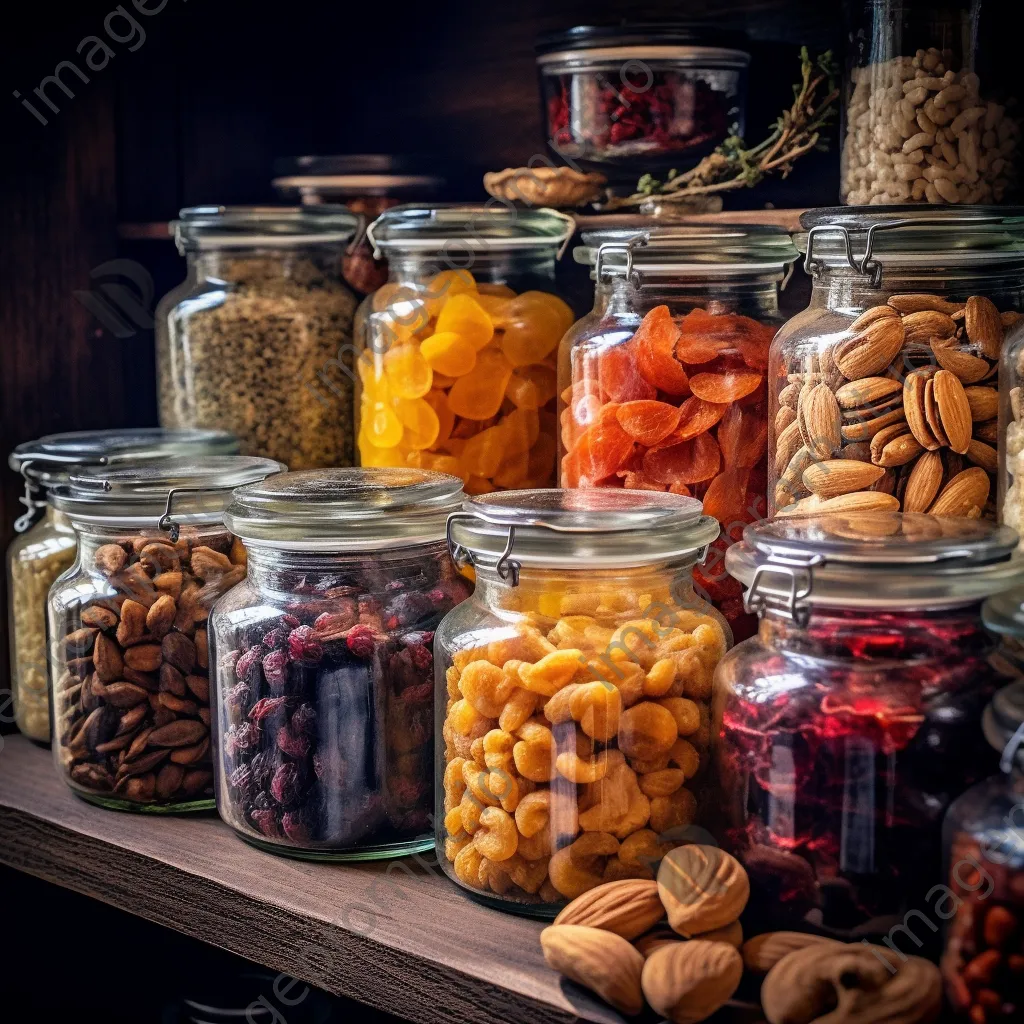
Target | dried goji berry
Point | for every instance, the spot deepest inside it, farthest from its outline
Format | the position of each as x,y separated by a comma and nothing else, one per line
743,436
725,387
654,344
648,422
686,463
619,377
695,417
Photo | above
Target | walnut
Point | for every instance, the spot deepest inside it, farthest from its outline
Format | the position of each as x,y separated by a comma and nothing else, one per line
545,186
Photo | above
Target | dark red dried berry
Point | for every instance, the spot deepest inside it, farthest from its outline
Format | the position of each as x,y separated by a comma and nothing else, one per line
246,664
275,668
239,696
437,597
275,638
265,706
422,657
266,822
286,785
242,782
263,767
363,640
419,694
290,621
296,826
294,744
304,719
303,645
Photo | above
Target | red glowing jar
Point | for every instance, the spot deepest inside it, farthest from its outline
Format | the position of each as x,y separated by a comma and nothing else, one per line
851,721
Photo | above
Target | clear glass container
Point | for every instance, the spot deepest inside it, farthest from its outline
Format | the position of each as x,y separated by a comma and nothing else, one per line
884,391
257,339
846,727
637,98
128,643
456,353
662,385
983,898
366,183
928,117
323,662
1011,423
45,545
573,693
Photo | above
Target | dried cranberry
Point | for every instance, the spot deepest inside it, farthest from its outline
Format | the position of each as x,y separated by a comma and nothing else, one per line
393,586
266,822
438,598
243,782
247,737
294,744
303,645
276,637
407,608
263,766
418,694
265,706
275,668
304,719
296,826
247,665
363,640
422,657
290,621
238,696
286,785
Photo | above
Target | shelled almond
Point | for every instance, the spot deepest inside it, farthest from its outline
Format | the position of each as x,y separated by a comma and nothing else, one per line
899,413
1012,511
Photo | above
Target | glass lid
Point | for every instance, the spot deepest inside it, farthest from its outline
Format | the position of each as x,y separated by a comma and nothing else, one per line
357,174
574,529
172,491
1003,724
873,560
1004,613
345,509
223,227
867,238
672,251
704,44
455,228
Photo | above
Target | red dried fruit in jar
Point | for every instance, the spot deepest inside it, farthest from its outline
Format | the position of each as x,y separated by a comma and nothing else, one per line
726,496
688,463
618,376
598,453
743,436
647,421
725,387
654,344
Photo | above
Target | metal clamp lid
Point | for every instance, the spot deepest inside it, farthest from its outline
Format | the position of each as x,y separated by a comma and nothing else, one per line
29,500
800,570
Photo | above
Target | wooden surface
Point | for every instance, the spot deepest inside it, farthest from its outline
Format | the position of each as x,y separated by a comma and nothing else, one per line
392,935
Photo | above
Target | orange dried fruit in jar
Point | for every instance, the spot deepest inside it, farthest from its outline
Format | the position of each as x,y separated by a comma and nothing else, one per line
618,376
421,423
726,387
445,285
743,436
695,417
382,427
408,374
461,314
533,327
654,345
531,387
687,463
648,422
599,452
726,496
478,395
449,353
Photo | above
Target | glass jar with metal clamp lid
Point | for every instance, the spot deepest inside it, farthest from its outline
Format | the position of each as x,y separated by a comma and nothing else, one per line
128,646
884,391
573,692
46,543
456,353
663,385
851,721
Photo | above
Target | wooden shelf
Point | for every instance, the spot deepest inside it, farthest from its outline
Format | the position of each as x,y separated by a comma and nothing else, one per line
394,935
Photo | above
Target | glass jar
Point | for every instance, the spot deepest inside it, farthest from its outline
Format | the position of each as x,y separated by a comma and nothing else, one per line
1011,423
456,363
662,385
573,693
884,390
128,644
927,116
368,184
641,97
45,546
323,665
849,723
983,841
257,339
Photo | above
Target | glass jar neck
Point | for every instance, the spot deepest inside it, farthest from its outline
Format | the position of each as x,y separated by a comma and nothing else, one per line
843,288
243,265
754,295
520,266
60,522
879,635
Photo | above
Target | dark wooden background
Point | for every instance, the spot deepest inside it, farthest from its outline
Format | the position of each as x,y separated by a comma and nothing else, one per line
218,90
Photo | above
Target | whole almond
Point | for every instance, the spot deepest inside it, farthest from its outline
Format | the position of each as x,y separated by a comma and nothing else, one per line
914,303
124,695
790,485
967,490
107,657
169,583
899,451
983,455
987,431
927,324
968,369
984,403
820,421
858,450
914,408
160,616
883,437
731,935
840,476
598,960
983,325
869,316
867,391
923,483
180,733
859,501
702,888
110,559
687,982
1010,318
628,908
763,952
870,351
789,396
954,410
795,509
783,418
144,658
868,428
786,445
132,627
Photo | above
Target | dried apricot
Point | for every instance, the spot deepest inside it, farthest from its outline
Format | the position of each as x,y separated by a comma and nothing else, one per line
478,395
726,496
420,421
743,436
654,344
648,422
695,417
725,387
598,453
408,373
619,377
646,730
449,353
686,463
464,316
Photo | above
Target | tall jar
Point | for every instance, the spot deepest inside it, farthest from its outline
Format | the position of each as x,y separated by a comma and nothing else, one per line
850,722
257,339
456,353
884,391
128,644
322,661
662,385
573,693
45,544
983,841
929,107
1011,425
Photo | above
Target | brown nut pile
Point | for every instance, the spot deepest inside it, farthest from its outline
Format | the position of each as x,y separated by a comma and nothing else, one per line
132,697
901,414
614,940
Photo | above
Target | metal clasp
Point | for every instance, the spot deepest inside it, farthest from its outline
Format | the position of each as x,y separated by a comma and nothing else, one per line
627,247
166,522
1009,755
800,570
29,500
506,566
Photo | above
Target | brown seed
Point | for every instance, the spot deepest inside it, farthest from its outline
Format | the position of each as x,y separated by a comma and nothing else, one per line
168,780
789,396
160,616
119,742
967,368
196,782
237,554
954,409
899,451
983,455
967,490
140,742
208,564
840,476
146,680
159,556
783,418
869,316
202,649
169,583
132,627
923,483
883,437
143,763
109,559
180,733
130,719
99,617
200,686
984,326
987,432
871,351
178,705
982,969
171,680
931,414
191,755
124,695
144,658
139,789
179,651
984,403
868,391
867,429
914,303
820,421
926,325
914,407
786,446
79,642
108,660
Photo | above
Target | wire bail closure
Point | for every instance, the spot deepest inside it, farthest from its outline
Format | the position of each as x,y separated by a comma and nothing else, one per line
166,522
800,572
29,500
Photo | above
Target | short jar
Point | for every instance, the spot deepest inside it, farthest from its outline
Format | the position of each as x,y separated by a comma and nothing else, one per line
128,644
257,339
45,544
884,391
662,386
322,661
573,693
982,902
846,727
456,353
